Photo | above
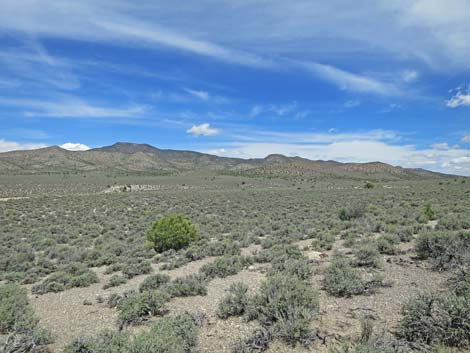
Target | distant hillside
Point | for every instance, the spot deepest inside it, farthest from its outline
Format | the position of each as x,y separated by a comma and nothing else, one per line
131,157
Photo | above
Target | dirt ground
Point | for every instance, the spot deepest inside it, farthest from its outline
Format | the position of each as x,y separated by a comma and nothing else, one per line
65,314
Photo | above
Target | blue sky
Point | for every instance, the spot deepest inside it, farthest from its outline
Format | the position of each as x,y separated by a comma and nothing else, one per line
350,81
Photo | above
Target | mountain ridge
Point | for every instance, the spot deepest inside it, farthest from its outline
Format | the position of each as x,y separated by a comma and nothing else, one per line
135,157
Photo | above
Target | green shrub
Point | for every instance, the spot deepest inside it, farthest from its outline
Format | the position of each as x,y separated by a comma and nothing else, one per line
30,341
115,281
286,304
352,212
235,303
277,251
368,255
438,318
171,232
291,267
387,244
323,241
444,249
171,334
190,285
135,267
453,222
459,282
341,279
224,266
428,212
138,307
71,275
16,314
154,282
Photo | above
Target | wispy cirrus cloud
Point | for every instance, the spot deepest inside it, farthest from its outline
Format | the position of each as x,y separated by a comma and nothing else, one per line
276,109
71,107
123,24
202,95
349,81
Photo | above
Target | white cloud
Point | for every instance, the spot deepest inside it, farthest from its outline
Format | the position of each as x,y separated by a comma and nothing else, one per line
203,95
349,81
409,76
122,23
465,139
71,107
459,99
71,146
202,130
441,146
6,146
279,110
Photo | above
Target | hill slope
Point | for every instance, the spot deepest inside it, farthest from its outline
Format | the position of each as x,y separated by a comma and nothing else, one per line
131,157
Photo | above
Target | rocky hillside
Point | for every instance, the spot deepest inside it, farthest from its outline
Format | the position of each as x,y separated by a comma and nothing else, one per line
130,157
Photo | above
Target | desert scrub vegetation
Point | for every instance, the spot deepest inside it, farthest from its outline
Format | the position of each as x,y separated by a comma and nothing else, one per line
16,314
172,232
286,305
445,250
115,281
341,279
19,326
352,212
140,306
235,302
437,318
171,334
190,285
70,276
153,282
225,266
368,255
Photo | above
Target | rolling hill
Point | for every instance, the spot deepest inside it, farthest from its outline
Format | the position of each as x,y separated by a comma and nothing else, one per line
131,157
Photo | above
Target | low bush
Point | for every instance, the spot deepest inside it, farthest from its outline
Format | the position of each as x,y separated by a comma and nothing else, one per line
225,266
190,285
387,244
16,314
136,267
291,267
286,305
368,255
453,222
445,250
31,341
138,307
18,323
437,318
323,241
171,232
115,281
235,303
428,212
341,279
459,282
154,282
171,334
352,212
70,276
